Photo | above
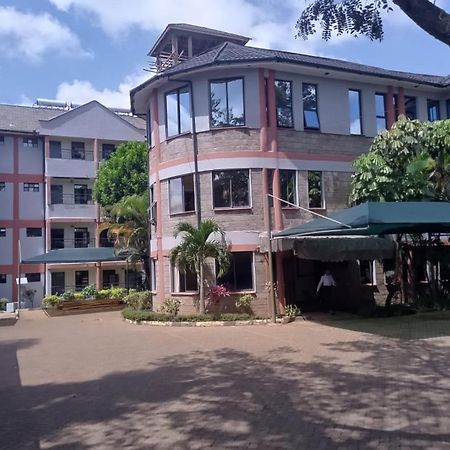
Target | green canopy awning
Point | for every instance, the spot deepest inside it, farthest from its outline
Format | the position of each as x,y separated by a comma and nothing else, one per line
370,219
76,255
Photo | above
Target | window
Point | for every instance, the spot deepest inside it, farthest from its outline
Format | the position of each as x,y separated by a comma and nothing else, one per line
108,150
447,104
57,238
153,208
2,140
55,149
288,181
56,194
2,186
153,273
81,237
34,232
30,142
110,278
33,277
31,187
283,95
310,110
78,150
184,280
2,278
2,232
149,128
367,272
315,190
178,111
434,110
410,107
239,276
231,189
227,103
105,241
181,194
81,279
82,195
380,111
58,282
354,100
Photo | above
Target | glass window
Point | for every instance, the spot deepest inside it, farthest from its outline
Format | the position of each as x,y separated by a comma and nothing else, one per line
56,238
410,107
178,111
283,95
239,276
227,103
30,142
184,280
315,189
310,109
55,149
181,194
110,278
354,100
2,139
31,187
149,128
2,186
434,110
380,111
447,103
33,277
153,273
81,279
367,272
108,150
2,278
81,237
231,189
2,232
34,232
82,195
78,150
58,282
56,193
288,181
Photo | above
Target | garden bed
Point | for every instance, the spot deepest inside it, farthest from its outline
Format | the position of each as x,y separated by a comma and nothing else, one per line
82,306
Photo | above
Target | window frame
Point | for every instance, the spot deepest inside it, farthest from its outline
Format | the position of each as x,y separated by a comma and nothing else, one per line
177,91
226,81
60,149
2,186
411,97
384,117
253,271
30,234
291,106
175,273
360,116
322,191
2,232
30,142
87,191
103,150
296,193
75,148
31,187
77,286
305,127
230,208
430,103
2,139
33,275
3,278
192,211
373,274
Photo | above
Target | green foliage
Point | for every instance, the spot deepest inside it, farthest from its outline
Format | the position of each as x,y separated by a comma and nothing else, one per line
139,300
411,161
124,174
51,301
78,296
68,295
145,315
3,302
103,294
171,306
116,293
230,317
89,291
244,303
291,310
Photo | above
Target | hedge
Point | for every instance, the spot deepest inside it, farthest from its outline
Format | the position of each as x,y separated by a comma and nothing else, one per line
138,316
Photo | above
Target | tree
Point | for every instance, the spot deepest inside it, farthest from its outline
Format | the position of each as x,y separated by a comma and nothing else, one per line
364,18
128,226
197,245
124,174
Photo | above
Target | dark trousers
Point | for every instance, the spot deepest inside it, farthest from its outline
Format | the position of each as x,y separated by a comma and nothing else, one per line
326,300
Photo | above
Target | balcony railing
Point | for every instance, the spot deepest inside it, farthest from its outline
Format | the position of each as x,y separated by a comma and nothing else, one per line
56,243
58,289
71,199
73,153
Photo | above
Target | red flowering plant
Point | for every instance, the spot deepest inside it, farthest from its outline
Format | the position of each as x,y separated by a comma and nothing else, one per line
216,296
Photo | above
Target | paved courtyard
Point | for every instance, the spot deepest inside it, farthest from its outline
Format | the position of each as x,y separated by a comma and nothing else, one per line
94,381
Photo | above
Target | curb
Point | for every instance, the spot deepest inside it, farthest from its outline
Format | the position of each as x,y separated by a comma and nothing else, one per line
215,323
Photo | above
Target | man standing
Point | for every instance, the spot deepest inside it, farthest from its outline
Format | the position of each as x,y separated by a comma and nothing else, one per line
325,291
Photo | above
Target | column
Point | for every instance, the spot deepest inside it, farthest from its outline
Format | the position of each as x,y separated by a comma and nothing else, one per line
390,112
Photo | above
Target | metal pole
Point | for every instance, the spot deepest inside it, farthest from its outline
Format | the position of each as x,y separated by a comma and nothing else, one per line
272,298
19,305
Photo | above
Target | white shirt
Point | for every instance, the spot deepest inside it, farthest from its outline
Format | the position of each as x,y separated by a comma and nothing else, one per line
326,280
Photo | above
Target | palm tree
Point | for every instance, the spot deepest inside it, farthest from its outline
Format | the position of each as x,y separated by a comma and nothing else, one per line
199,244
128,226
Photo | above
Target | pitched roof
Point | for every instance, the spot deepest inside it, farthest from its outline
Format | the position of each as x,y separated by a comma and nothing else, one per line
231,53
25,119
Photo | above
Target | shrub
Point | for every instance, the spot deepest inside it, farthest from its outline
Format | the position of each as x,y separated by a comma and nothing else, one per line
139,300
78,296
235,316
51,301
103,293
171,306
69,295
244,303
3,302
89,291
291,310
116,293
134,314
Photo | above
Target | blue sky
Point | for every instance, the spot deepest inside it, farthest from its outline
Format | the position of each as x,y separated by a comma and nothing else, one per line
77,50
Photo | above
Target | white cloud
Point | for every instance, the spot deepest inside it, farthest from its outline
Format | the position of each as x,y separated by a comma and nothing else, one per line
83,91
33,35
269,23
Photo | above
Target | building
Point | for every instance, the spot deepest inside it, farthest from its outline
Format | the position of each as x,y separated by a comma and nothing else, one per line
230,123
49,156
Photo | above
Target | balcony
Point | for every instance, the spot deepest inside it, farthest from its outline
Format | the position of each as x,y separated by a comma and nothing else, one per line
72,207
57,243
71,163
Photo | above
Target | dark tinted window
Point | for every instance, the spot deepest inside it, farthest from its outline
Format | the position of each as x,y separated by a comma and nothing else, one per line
310,109
380,109
33,277
34,232
410,107
239,276
434,110
227,103
231,189
315,189
283,93
288,181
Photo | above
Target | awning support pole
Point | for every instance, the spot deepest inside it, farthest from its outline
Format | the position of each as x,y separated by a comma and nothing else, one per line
272,298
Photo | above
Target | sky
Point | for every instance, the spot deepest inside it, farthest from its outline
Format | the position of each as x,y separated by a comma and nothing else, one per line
80,50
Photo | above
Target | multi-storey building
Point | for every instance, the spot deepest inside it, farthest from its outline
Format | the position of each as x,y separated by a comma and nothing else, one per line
230,123
49,156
